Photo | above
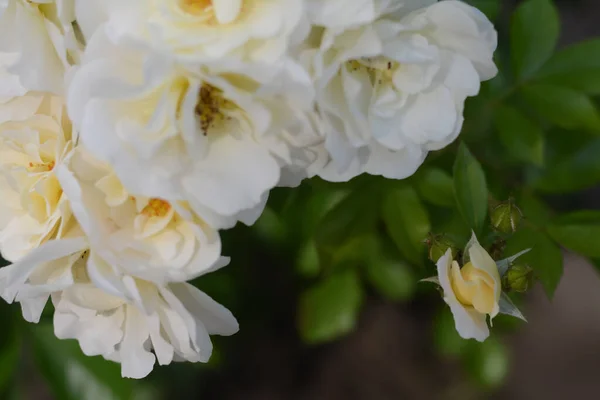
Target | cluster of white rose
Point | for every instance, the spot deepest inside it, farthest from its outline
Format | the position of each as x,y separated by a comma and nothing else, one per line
132,131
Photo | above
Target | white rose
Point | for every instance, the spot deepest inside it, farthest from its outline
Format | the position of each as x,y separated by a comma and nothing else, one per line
391,90
342,15
474,291
42,35
173,320
153,323
35,136
213,140
255,31
150,238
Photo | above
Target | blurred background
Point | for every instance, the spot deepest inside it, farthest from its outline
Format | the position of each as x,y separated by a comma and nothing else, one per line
314,330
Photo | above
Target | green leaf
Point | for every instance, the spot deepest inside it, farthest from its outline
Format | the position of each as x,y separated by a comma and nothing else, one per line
355,214
407,222
587,81
452,224
576,67
330,308
392,279
520,136
578,231
490,8
354,252
319,203
563,107
73,375
578,171
308,263
534,209
545,256
534,31
435,186
487,363
305,207
470,188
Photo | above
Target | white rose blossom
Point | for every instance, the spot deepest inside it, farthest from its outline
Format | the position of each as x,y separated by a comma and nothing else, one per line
144,324
149,238
474,291
35,136
255,33
391,89
113,277
141,323
214,140
43,38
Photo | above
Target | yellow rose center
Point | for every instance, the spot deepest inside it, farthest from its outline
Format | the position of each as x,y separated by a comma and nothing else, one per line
212,107
380,69
473,287
197,6
156,208
213,11
41,167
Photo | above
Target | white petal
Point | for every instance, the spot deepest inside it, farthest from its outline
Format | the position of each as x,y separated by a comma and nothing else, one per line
483,261
234,177
136,361
17,273
468,322
226,10
217,319
32,308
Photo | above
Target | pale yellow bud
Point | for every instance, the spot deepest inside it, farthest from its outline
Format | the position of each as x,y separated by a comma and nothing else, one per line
473,287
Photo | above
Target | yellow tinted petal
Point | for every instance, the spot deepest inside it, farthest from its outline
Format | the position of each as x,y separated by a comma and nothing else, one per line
463,290
484,262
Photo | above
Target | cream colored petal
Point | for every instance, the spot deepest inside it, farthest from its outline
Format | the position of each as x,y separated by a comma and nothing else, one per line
167,244
443,268
227,11
89,296
483,299
463,290
468,322
484,262
147,226
113,190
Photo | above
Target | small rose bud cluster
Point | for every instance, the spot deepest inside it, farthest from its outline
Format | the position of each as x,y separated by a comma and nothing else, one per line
475,283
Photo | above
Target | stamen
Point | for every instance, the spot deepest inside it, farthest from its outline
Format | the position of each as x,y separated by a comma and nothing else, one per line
156,208
41,167
379,68
210,107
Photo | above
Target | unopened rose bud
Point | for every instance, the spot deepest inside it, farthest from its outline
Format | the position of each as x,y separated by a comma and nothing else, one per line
518,278
506,217
438,245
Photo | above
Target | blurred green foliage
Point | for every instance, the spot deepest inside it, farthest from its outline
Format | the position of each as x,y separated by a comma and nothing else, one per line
534,131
